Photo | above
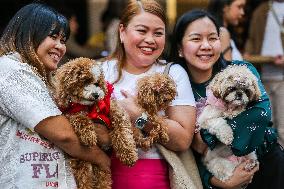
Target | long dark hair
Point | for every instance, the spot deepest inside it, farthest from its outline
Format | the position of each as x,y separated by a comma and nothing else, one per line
28,28
178,34
215,7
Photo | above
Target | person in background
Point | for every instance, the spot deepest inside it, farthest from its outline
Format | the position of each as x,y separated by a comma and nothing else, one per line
33,132
228,13
264,41
73,48
141,41
197,47
110,20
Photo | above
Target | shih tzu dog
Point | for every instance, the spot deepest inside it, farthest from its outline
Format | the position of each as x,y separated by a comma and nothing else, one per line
227,96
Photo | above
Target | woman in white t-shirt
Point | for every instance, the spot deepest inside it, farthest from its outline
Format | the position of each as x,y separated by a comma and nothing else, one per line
33,133
141,41
228,13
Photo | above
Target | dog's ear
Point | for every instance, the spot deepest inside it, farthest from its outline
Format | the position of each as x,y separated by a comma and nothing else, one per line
146,94
215,85
257,93
70,79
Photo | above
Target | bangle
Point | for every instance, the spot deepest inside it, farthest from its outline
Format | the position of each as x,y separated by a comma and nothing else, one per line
141,121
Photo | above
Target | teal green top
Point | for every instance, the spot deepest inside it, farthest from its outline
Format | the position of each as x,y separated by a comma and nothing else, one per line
252,128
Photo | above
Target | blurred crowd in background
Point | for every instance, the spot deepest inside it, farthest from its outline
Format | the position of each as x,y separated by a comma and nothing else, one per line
93,22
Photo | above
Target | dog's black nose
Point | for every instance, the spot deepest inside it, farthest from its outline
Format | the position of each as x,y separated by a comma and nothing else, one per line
95,95
239,95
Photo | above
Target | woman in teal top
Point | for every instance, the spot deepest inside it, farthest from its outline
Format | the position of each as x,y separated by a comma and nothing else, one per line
196,46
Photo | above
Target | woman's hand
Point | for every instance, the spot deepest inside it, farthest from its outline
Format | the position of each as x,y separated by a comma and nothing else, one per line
279,60
241,177
102,135
103,161
198,145
130,106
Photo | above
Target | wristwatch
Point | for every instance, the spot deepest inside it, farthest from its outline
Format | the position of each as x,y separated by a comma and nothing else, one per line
141,121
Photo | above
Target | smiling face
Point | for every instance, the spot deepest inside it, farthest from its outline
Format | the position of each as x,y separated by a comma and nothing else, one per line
144,40
234,12
201,47
51,50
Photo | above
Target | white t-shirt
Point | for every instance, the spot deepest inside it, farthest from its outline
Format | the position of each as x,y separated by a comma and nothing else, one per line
236,55
128,83
27,161
272,45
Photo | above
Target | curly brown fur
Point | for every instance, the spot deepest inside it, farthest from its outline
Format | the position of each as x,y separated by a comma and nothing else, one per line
71,78
154,93
84,173
102,179
81,81
122,140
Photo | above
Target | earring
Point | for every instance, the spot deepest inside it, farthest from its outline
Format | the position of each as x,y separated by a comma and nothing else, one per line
180,54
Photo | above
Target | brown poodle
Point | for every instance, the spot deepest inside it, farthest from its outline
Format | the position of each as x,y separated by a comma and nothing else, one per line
154,93
85,98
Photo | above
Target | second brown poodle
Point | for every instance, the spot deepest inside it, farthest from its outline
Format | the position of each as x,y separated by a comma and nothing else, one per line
154,93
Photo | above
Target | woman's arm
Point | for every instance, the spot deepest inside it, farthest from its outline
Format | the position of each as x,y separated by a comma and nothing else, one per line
58,130
198,145
225,39
181,118
181,125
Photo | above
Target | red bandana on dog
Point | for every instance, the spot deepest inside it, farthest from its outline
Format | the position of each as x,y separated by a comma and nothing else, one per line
98,111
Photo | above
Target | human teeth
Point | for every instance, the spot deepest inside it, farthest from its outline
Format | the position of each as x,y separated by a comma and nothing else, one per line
146,49
54,56
204,57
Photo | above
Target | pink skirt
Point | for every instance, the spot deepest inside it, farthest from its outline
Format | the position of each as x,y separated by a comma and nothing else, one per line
145,174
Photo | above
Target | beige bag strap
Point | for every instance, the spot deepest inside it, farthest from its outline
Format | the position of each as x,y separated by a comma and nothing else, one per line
167,68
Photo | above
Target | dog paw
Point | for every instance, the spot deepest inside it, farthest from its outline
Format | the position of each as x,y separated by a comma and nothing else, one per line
225,135
227,139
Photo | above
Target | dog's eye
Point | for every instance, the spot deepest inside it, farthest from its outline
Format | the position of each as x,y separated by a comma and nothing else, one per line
230,89
96,84
247,92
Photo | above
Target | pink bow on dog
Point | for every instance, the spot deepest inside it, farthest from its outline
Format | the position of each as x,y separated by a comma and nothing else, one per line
212,100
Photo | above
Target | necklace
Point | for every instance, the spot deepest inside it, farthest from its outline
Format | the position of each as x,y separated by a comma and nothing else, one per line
195,91
199,89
